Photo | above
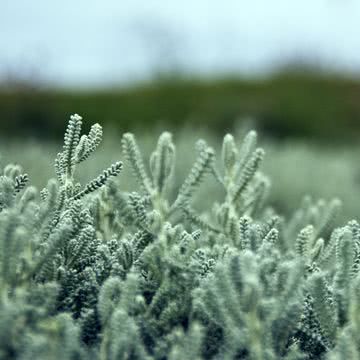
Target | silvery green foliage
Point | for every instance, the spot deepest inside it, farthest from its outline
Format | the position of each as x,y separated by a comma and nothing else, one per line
94,272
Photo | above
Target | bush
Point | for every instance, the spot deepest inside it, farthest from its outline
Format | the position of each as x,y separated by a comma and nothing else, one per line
94,272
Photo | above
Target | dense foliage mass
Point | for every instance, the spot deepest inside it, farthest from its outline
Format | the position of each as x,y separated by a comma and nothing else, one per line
94,272
288,104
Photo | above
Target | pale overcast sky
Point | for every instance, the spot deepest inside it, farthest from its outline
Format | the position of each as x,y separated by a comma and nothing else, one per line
101,42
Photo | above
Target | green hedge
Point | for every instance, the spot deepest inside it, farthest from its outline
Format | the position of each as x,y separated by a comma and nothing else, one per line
285,105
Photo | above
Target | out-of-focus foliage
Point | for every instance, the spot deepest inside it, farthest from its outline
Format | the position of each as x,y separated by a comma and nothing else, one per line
302,104
172,270
310,169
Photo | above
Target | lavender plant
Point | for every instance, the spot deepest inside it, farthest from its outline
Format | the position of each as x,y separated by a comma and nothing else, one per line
95,272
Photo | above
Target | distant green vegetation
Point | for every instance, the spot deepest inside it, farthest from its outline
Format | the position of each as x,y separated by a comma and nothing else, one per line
287,104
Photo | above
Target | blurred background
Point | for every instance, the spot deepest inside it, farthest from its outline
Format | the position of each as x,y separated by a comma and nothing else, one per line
289,69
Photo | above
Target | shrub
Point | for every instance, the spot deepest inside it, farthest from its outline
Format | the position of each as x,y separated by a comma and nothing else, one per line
94,272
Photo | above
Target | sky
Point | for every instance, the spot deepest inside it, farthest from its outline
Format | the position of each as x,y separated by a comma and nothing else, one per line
89,43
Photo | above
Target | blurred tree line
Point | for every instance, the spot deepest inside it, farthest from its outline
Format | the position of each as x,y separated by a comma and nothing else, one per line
288,104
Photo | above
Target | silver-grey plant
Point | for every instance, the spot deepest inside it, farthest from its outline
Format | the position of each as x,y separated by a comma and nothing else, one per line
94,272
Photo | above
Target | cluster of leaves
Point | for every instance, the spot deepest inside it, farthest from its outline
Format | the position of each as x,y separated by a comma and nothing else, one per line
93,272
